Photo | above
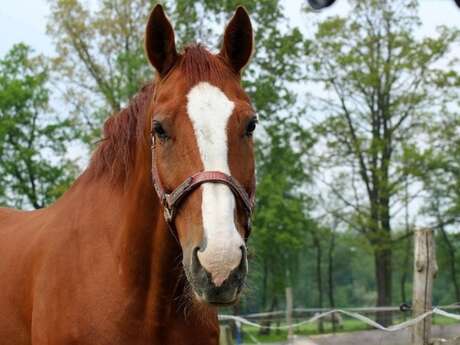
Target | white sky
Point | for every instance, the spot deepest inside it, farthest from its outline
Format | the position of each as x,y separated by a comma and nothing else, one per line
25,20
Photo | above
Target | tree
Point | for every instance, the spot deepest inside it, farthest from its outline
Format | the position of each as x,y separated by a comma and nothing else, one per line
100,63
281,222
33,170
440,172
384,86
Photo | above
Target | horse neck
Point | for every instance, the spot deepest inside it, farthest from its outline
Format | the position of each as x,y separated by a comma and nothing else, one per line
130,218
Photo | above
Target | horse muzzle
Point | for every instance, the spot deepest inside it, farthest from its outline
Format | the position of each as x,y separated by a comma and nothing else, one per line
216,292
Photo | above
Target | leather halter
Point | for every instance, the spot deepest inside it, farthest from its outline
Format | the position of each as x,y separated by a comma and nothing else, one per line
171,201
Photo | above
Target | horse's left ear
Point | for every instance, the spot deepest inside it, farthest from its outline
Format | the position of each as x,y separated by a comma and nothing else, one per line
238,41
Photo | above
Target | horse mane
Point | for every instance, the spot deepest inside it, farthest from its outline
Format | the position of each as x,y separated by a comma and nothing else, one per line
124,131
121,134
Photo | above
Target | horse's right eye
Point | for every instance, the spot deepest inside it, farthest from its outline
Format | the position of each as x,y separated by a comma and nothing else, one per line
159,131
251,126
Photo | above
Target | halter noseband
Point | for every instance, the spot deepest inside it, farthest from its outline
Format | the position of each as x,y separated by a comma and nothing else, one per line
171,201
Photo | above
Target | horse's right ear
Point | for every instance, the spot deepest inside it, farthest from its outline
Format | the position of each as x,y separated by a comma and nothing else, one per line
160,45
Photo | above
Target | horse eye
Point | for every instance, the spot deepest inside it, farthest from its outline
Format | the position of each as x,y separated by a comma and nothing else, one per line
251,126
159,131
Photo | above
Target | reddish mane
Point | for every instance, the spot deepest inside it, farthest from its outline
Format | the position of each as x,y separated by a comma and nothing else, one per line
121,134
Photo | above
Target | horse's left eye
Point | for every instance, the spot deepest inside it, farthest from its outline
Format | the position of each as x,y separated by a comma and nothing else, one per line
251,126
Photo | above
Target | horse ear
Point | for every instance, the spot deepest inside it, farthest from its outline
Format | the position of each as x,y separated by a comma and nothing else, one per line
238,42
160,45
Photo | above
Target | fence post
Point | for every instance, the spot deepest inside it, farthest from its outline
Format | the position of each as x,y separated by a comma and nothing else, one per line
425,268
289,308
225,336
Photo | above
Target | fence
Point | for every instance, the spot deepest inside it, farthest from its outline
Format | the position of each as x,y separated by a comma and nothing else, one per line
425,268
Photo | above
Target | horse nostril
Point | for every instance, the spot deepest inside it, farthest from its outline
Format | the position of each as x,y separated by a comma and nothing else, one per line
196,265
243,253
242,267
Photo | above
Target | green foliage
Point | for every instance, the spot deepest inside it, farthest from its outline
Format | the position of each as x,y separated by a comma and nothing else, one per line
384,87
439,168
281,221
100,62
33,144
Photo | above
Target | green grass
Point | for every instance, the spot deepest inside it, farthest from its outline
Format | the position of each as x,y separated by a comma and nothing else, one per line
441,320
349,325
307,329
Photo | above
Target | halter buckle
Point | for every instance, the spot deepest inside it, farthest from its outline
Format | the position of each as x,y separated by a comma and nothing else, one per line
168,212
168,215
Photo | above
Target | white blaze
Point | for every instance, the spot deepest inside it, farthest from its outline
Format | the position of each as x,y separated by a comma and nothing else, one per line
209,110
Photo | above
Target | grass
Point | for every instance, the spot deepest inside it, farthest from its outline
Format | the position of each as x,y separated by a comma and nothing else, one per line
307,329
349,325
441,321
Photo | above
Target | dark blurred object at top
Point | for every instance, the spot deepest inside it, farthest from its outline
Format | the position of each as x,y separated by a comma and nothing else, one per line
320,4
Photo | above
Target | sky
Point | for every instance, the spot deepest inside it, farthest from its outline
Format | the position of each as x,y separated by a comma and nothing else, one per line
25,20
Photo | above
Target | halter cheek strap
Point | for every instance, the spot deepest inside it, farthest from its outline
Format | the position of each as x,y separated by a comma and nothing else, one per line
171,201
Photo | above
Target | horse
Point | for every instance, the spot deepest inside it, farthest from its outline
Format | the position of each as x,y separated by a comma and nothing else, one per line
150,239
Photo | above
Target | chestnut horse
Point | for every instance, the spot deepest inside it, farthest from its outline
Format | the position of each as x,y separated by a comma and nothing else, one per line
103,265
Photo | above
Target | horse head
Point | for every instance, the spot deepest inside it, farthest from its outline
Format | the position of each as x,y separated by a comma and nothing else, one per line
202,123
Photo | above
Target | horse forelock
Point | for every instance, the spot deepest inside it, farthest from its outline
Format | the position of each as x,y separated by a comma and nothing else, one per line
199,64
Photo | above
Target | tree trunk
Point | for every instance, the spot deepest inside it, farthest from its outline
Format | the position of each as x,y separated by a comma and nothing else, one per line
383,275
289,309
405,273
264,285
319,280
383,251
267,322
330,275
408,245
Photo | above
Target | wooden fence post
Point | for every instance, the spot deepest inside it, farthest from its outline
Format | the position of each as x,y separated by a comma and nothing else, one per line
289,308
225,336
425,268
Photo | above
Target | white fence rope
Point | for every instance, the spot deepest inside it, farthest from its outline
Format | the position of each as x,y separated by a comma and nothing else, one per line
322,310
393,328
